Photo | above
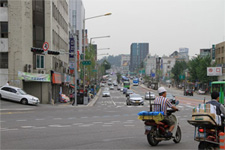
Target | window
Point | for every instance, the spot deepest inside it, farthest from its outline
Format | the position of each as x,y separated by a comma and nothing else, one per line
4,29
40,61
6,89
4,60
3,3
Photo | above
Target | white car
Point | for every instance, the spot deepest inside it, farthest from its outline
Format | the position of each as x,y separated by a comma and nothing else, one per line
18,95
121,89
105,94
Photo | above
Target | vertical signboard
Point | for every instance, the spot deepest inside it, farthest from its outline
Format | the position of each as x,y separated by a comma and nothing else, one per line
72,46
213,52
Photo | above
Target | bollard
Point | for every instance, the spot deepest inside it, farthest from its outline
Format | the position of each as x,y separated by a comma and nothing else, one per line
222,137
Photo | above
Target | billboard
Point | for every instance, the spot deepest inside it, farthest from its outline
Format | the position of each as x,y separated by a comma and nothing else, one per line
125,62
214,71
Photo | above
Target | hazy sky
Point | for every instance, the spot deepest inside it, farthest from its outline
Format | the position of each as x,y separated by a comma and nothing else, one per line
166,25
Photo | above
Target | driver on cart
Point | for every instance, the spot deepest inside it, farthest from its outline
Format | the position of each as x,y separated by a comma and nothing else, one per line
164,103
220,109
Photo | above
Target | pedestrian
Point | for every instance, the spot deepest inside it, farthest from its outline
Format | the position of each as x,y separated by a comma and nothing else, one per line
7,84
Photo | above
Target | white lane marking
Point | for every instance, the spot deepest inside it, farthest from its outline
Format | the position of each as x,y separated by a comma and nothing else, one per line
83,117
95,117
18,109
190,106
113,101
128,125
127,122
39,127
9,129
63,126
130,120
86,125
77,124
54,125
2,121
21,120
180,106
185,116
96,122
57,118
106,125
72,118
116,121
27,126
39,119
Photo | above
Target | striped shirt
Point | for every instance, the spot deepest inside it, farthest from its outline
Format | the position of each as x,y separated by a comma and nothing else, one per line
163,102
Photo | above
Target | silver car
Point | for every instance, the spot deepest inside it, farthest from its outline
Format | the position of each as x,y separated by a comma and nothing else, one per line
106,94
111,87
135,99
149,96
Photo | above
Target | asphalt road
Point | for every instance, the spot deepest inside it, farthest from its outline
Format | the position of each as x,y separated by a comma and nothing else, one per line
109,124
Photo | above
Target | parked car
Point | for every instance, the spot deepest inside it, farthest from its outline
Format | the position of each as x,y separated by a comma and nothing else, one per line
18,95
111,87
135,99
149,96
129,92
106,94
188,92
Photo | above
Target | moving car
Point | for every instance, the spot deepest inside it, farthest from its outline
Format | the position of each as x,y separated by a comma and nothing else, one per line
149,96
111,87
124,90
115,83
129,92
18,95
200,91
171,97
109,83
106,93
121,89
118,87
135,99
189,92
102,84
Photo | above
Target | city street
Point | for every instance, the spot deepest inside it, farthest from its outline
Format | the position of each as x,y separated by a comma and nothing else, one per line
109,124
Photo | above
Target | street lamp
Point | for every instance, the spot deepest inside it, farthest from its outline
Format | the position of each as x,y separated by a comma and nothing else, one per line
107,14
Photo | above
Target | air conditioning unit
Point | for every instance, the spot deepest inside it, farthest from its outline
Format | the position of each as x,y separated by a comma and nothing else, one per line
28,68
41,71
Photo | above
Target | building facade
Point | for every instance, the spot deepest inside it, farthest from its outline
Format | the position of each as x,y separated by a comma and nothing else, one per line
220,58
138,53
30,24
184,54
167,65
125,61
205,52
150,65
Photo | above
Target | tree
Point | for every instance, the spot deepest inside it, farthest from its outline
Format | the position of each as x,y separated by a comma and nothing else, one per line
178,70
118,77
198,69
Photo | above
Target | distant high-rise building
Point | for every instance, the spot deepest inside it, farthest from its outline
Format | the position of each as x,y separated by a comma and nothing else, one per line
205,52
138,53
183,52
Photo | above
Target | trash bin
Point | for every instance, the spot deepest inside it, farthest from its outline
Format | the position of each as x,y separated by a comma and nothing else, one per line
80,98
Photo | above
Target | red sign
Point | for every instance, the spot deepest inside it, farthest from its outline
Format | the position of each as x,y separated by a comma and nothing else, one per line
45,46
78,60
56,78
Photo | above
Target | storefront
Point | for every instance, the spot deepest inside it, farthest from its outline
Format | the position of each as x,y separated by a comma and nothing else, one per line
56,86
36,85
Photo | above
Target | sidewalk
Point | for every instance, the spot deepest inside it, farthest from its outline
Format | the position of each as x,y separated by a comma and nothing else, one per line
69,104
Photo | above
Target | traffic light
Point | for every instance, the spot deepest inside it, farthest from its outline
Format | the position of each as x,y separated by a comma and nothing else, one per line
53,52
37,50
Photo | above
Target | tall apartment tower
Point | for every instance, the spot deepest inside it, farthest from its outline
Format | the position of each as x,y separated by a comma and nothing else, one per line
138,53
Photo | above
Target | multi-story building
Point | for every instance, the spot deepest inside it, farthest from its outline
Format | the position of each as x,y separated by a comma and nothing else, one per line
4,48
30,24
220,58
125,61
205,52
183,52
167,65
150,65
138,53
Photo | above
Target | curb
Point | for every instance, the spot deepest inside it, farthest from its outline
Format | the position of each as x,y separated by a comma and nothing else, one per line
92,103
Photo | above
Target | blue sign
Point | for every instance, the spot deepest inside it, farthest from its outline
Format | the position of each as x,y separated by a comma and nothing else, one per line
72,46
152,74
